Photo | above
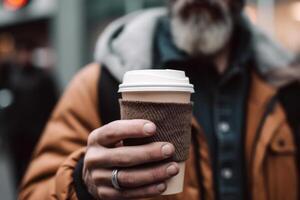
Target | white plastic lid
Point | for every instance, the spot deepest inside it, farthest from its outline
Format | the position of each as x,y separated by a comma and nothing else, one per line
155,81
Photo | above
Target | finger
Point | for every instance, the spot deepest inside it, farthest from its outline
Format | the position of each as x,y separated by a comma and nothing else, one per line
116,131
102,177
133,178
143,192
136,177
129,156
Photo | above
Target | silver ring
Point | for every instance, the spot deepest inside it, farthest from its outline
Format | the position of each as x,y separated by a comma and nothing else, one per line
114,179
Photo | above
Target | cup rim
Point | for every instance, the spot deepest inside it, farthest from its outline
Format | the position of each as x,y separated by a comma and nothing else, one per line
156,88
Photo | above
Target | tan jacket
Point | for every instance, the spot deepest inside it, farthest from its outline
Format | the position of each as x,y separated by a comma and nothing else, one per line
270,158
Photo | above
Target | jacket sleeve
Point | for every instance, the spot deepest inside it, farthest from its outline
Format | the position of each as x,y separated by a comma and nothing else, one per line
63,142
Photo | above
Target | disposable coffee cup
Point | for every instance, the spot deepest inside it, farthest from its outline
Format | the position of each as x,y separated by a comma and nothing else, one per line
161,86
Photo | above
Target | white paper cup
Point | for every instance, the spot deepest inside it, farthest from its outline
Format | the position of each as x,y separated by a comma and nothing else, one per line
165,86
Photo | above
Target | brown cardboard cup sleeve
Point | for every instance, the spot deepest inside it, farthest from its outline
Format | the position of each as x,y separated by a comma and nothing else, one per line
173,122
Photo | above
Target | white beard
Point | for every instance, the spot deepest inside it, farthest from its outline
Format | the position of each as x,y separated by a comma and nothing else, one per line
199,34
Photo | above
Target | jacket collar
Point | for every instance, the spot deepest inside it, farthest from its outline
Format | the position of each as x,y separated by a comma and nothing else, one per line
260,91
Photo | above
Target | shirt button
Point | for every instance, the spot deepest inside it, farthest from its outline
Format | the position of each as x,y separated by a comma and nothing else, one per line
226,173
224,127
6,98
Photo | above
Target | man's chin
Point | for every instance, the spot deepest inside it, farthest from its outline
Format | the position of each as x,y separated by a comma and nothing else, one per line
201,38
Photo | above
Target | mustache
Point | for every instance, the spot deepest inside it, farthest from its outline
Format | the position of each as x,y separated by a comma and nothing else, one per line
187,8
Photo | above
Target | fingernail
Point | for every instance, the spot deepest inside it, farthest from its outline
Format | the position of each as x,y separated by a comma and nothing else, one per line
161,187
167,150
149,128
172,170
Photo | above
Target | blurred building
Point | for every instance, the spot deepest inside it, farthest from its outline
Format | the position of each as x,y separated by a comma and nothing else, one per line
279,18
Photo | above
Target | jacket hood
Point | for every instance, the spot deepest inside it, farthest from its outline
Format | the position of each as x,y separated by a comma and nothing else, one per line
127,44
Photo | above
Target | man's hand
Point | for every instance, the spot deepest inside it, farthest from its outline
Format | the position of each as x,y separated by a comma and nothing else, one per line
138,176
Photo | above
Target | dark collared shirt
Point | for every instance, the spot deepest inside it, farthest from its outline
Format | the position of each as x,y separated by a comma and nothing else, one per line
219,103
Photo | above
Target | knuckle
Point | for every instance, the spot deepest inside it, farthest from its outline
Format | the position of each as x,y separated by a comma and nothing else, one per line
120,127
115,123
92,138
96,158
122,160
150,190
89,163
103,194
126,179
153,152
113,127
103,157
89,160
107,194
110,133
153,190
92,189
157,174
111,137
152,155
98,177
126,194
114,130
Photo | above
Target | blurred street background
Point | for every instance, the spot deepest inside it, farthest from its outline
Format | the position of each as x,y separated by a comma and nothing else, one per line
43,43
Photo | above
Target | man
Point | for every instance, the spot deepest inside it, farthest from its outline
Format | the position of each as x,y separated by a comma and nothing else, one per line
31,94
244,138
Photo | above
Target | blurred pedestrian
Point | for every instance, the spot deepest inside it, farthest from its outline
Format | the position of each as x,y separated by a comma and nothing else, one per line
28,96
